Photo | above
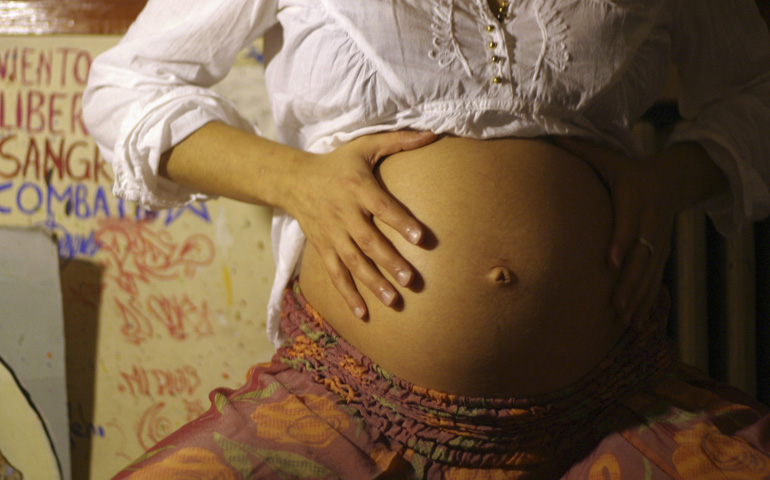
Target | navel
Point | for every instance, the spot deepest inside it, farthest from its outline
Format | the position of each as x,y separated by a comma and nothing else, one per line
502,276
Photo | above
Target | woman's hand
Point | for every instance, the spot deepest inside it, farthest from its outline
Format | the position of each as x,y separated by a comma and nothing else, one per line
333,196
336,198
645,205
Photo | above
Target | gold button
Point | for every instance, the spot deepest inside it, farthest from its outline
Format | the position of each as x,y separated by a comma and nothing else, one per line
492,45
497,80
490,28
501,17
495,59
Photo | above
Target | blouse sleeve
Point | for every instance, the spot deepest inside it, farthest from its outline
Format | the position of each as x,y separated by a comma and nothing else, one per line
150,91
722,52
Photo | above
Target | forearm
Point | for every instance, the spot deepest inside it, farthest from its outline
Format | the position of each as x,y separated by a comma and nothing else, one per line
218,159
688,175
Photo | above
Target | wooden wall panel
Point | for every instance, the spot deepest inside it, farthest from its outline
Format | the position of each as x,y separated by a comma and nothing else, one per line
67,17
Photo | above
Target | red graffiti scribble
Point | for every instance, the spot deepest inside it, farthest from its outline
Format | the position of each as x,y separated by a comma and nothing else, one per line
120,452
157,382
184,380
153,427
179,316
137,381
133,253
174,313
136,327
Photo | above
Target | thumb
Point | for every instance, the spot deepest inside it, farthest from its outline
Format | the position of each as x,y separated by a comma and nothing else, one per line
394,142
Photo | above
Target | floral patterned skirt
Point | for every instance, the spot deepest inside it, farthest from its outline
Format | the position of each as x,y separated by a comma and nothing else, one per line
322,410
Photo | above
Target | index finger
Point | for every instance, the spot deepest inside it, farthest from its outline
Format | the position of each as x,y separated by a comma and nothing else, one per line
389,211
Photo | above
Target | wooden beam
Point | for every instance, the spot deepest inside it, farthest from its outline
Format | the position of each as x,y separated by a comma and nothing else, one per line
41,17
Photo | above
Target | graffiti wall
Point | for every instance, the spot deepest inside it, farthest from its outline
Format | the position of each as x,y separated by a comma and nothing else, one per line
160,307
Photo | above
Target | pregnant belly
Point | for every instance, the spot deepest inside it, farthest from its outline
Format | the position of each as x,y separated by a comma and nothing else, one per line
513,290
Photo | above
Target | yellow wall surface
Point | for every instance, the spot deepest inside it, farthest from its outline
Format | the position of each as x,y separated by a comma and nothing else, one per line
160,307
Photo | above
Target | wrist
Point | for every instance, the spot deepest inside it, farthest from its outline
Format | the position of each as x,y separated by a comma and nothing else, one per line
285,174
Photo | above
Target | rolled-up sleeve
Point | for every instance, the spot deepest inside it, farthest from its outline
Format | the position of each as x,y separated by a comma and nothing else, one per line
151,91
722,52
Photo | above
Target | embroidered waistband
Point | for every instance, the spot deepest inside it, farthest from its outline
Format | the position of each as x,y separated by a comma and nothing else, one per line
473,431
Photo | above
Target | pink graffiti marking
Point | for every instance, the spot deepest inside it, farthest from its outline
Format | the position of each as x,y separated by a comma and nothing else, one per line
157,382
136,327
152,427
134,253
179,316
115,428
174,313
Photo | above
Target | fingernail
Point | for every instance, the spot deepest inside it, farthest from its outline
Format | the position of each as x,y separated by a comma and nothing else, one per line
403,277
413,235
359,312
387,297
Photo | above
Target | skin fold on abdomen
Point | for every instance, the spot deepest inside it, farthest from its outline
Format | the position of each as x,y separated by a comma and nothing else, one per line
512,293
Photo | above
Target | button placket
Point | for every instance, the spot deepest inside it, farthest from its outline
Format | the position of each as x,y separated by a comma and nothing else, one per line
494,30
502,12
495,45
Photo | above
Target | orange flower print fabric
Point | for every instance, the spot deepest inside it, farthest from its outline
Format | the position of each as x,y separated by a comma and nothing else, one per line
297,420
705,453
191,463
277,426
687,427
481,474
606,467
321,410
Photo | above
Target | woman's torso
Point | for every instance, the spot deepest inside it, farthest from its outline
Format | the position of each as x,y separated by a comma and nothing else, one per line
513,292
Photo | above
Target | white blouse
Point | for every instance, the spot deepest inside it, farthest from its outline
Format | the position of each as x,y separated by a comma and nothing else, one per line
339,69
